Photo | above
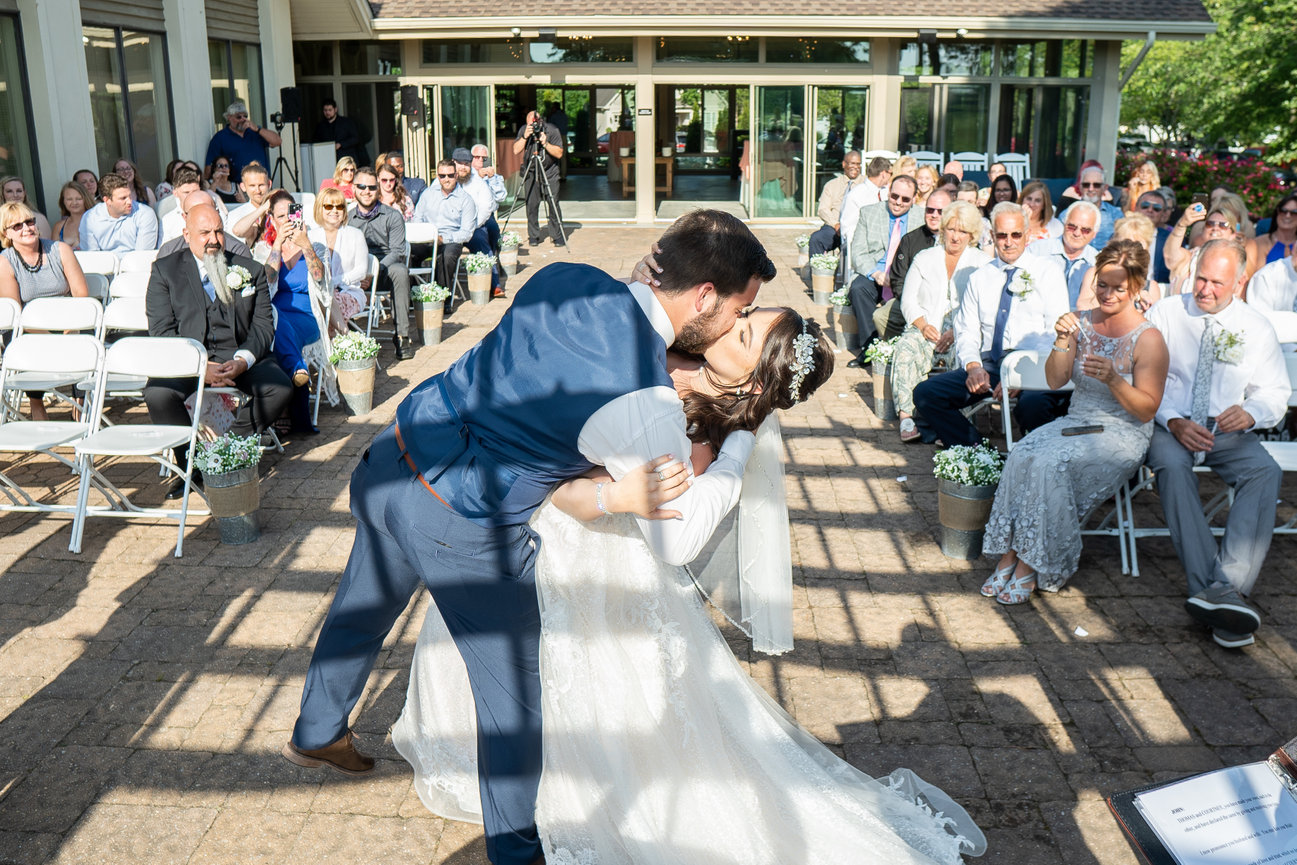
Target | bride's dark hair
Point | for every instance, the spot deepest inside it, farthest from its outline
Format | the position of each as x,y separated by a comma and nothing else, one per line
712,417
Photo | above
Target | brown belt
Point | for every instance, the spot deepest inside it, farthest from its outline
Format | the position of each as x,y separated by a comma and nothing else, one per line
409,461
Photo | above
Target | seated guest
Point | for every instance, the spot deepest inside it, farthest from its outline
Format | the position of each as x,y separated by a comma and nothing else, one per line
384,231
926,179
1011,303
874,242
118,224
934,286
1223,221
1041,222
1278,243
1272,290
345,253
871,190
1226,379
1092,189
483,169
189,295
74,203
484,204
826,237
198,198
1003,188
950,183
1143,179
414,186
295,276
393,194
140,191
1052,480
222,186
166,187
967,191
956,168
32,267
89,182
1072,194
1072,250
889,321
451,209
1138,228
344,174
255,186
993,171
185,182
14,189
1155,206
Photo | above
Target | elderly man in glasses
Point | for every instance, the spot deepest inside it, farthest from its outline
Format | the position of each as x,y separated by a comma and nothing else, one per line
240,141
1092,187
878,234
1073,249
1011,303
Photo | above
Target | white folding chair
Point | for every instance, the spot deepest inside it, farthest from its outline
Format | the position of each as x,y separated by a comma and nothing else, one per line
10,313
49,355
97,261
129,284
886,154
927,157
971,160
1016,165
60,315
164,357
137,260
1285,453
375,307
125,317
307,200
166,205
97,287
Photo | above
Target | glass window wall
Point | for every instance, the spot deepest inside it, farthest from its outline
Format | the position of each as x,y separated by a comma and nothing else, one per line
236,74
841,116
434,51
719,49
16,151
465,119
312,58
945,58
129,98
780,151
1066,58
815,50
370,58
577,49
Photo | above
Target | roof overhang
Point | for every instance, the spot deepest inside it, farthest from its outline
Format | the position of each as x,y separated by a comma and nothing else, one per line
331,19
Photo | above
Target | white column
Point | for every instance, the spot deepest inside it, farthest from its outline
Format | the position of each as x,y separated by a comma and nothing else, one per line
277,67
884,98
645,153
56,76
1105,107
191,76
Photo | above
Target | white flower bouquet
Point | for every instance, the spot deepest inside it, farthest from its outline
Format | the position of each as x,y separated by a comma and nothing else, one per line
510,240
431,292
353,346
972,465
881,351
824,262
803,241
478,262
1229,346
227,454
841,298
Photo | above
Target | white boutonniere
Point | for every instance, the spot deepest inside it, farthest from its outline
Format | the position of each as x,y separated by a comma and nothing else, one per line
1229,346
1022,284
237,278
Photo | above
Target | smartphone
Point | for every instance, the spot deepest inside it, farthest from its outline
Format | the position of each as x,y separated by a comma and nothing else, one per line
295,212
1082,430
1201,198
486,162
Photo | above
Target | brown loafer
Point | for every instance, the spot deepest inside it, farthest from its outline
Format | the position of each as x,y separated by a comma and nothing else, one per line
340,756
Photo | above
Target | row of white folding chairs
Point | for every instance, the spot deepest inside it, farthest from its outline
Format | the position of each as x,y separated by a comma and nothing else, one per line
1017,165
110,263
78,356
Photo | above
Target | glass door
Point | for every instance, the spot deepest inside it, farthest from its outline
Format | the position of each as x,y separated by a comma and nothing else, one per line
780,151
463,118
1047,122
841,115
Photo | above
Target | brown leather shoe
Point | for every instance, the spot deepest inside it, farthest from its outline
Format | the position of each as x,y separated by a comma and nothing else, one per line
340,756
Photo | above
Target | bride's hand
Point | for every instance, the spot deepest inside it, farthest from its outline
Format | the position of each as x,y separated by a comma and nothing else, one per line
644,490
647,269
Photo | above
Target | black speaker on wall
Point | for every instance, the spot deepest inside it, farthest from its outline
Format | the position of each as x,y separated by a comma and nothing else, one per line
290,103
410,100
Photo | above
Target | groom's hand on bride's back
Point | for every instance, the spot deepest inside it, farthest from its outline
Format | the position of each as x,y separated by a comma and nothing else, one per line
643,491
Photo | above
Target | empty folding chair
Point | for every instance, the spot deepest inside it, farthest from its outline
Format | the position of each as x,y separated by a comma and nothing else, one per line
97,261
971,160
162,357
137,261
60,315
1016,165
130,284
97,287
10,312
927,157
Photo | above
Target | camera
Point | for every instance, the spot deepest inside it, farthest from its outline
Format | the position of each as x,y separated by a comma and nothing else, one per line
278,119
537,130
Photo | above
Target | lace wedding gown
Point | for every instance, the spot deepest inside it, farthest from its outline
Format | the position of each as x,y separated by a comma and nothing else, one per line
1052,482
659,748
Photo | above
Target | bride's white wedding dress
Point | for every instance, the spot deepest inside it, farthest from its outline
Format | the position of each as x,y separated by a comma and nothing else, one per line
659,748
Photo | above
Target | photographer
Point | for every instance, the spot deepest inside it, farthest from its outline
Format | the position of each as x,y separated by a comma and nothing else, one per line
543,139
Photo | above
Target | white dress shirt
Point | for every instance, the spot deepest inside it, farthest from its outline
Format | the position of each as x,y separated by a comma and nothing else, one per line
483,198
349,261
860,195
138,230
928,293
647,423
172,224
1031,316
1273,290
1259,383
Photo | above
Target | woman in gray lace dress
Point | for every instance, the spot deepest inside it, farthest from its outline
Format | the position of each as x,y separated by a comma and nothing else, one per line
1052,479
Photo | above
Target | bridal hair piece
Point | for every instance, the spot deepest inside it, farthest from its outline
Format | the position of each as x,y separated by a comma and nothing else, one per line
803,362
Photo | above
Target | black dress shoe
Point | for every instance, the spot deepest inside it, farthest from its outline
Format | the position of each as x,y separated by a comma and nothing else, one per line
404,351
857,362
177,487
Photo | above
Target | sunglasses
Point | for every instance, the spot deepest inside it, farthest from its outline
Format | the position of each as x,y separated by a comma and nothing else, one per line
334,206
901,198
1287,212
932,209
30,223
443,176
387,180
1216,223
1085,232
348,171
1091,185
1153,206
221,165
366,185
1005,235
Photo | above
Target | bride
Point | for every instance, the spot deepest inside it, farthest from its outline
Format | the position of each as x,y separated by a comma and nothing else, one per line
659,748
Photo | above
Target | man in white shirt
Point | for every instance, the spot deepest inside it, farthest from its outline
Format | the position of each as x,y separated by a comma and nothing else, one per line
1072,250
1273,290
825,238
256,186
484,204
186,183
1011,303
873,189
117,224
1226,379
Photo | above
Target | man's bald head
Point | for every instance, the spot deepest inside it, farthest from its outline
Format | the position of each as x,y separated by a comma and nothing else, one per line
203,230
190,199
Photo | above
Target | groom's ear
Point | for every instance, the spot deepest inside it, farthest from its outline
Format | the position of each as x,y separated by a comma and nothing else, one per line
704,296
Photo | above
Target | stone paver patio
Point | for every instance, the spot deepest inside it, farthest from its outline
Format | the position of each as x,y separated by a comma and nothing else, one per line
144,699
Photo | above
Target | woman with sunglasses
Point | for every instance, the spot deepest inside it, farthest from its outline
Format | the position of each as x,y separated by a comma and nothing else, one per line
32,267
225,189
392,192
1225,221
1281,240
345,254
343,175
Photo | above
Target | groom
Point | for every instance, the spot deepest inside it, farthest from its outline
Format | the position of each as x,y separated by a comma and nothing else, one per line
573,376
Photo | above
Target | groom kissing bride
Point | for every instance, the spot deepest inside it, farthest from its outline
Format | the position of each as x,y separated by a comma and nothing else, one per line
592,397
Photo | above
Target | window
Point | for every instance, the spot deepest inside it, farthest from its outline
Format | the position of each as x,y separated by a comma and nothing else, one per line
370,58
578,49
16,148
481,51
721,49
236,75
312,58
130,98
1066,58
813,50
945,58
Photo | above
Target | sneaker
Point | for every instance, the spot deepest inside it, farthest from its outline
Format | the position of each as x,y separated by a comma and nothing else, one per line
1220,606
909,430
1231,640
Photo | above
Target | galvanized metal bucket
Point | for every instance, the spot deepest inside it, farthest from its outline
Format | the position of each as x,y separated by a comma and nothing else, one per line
884,404
235,497
356,383
963,510
429,316
821,286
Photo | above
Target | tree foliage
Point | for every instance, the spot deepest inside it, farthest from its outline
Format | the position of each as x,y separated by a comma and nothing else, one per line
1238,86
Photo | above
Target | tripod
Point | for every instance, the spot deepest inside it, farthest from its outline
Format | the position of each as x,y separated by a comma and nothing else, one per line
533,168
281,164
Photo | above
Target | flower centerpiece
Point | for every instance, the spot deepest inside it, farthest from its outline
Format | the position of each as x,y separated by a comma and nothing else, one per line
230,482
429,308
478,265
824,268
803,249
879,356
509,243
880,351
967,476
847,330
354,358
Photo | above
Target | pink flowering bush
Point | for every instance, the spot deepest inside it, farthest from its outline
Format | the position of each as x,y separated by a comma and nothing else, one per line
1250,178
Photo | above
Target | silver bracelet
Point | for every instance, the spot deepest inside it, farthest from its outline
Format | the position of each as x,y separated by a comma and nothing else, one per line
598,497
1060,350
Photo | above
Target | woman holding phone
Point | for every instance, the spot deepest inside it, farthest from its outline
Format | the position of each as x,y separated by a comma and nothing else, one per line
1060,472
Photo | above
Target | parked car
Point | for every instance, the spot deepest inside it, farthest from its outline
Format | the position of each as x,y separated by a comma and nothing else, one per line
601,143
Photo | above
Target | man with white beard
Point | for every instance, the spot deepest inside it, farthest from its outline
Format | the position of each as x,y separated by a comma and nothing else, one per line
208,294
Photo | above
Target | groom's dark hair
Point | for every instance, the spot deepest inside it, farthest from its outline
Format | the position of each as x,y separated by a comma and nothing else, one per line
711,246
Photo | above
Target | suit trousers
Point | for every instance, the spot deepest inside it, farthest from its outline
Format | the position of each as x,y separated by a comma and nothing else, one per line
483,581
1243,464
395,278
824,239
865,297
938,402
267,384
